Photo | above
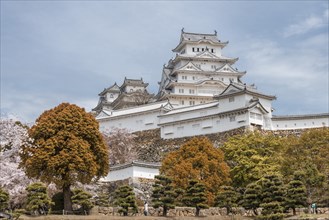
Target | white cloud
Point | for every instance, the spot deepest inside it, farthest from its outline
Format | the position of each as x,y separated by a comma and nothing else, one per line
310,23
297,75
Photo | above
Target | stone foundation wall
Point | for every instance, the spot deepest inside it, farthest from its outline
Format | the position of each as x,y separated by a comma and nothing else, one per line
188,211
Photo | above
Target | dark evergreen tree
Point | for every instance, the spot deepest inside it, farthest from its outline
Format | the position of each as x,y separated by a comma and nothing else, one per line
296,193
4,199
124,197
82,199
38,201
272,197
103,199
163,194
195,196
251,197
227,198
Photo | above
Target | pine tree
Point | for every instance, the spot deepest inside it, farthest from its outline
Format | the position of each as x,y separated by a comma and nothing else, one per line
296,193
227,197
4,199
251,197
124,197
163,194
38,201
272,197
195,196
83,199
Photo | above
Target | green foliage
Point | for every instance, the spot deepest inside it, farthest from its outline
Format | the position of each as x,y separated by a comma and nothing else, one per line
82,199
103,200
252,197
38,201
309,154
272,211
272,197
66,148
163,194
197,159
227,197
4,199
296,193
250,156
125,198
195,196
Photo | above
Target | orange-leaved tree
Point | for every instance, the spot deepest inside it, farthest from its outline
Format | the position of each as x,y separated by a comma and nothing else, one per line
66,147
197,159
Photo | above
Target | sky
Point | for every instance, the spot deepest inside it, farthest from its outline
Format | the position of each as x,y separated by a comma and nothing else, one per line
69,51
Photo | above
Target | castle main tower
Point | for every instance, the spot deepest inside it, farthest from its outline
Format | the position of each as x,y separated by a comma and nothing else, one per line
198,72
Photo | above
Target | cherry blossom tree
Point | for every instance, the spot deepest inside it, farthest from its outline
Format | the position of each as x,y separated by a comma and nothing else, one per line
13,179
121,146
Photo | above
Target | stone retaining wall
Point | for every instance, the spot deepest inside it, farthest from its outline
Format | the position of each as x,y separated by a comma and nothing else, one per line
188,211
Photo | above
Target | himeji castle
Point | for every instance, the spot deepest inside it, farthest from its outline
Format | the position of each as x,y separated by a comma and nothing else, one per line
200,92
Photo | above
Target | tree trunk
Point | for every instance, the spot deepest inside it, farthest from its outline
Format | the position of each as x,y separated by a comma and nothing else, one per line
164,210
197,213
294,211
67,198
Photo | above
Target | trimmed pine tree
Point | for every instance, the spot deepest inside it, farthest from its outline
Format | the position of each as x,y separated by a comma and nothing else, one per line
83,199
296,193
4,199
272,198
227,198
163,194
38,201
195,196
251,197
124,197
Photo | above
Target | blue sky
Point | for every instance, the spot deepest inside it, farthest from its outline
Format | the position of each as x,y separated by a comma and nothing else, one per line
69,51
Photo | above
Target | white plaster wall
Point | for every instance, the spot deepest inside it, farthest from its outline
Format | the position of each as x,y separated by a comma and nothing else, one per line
145,172
133,123
108,96
132,171
115,175
203,126
300,123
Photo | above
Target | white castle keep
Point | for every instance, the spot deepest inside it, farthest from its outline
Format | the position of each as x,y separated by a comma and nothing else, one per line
200,92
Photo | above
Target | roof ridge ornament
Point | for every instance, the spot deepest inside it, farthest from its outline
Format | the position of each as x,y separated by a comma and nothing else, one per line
215,32
182,30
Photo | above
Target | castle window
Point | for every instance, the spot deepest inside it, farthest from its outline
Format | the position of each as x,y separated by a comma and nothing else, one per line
182,102
191,91
192,49
195,126
181,90
202,49
212,50
231,99
180,128
193,77
213,66
232,118
192,102
197,49
111,96
184,77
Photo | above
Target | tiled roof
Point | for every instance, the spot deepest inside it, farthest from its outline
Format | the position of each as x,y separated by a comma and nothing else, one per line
134,110
114,89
